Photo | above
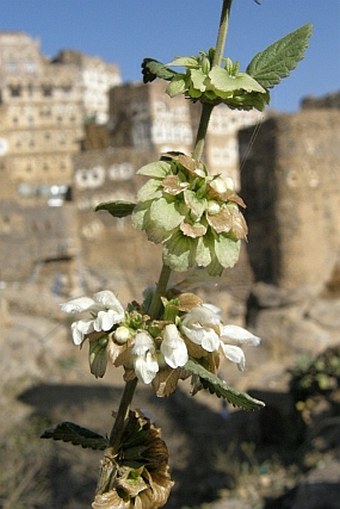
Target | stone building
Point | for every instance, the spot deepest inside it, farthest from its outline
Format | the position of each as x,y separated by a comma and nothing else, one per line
42,123
291,185
44,106
328,101
143,116
96,77
33,236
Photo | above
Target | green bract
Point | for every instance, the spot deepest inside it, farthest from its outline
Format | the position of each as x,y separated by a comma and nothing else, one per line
193,214
214,84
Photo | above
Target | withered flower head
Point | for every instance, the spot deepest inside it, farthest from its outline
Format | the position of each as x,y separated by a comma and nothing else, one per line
140,477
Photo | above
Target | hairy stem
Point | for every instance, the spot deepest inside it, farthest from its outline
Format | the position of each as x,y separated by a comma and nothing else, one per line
122,414
207,108
222,31
156,303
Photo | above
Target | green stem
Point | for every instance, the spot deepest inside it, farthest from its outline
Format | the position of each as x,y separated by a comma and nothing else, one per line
122,414
108,466
202,131
222,31
161,287
207,108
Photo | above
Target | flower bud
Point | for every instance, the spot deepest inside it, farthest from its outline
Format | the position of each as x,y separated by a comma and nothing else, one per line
122,335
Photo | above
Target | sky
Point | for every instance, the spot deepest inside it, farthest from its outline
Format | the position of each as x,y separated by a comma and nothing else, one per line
125,31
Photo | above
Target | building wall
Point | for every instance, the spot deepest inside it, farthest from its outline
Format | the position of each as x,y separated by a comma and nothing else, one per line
43,107
96,77
291,186
42,117
34,235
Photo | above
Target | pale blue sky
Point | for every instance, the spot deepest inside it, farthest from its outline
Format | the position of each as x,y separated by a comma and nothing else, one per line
126,31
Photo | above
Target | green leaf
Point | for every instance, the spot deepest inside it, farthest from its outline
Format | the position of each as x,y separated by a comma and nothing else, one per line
217,386
223,82
202,255
139,213
177,86
178,252
198,78
70,432
227,250
151,190
276,62
188,62
119,208
165,214
196,205
157,169
152,69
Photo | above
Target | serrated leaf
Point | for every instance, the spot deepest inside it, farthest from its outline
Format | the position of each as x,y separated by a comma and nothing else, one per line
76,435
276,62
217,386
152,69
119,208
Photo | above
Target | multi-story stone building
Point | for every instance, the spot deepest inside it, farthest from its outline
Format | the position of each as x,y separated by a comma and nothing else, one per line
42,123
44,105
96,77
143,116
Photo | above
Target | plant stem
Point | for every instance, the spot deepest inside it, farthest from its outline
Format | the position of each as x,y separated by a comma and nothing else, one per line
160,290
122,414
222,31
202,131
207,108
108,471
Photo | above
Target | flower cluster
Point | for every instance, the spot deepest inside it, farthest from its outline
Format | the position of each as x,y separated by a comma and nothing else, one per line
194,215
156,351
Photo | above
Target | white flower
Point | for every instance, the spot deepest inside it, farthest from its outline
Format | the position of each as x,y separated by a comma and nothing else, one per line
106,311
173,347
202,326
122,335
240,335
144,353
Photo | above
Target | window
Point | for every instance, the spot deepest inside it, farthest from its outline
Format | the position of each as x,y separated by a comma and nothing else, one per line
15,90
47,90
30,66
